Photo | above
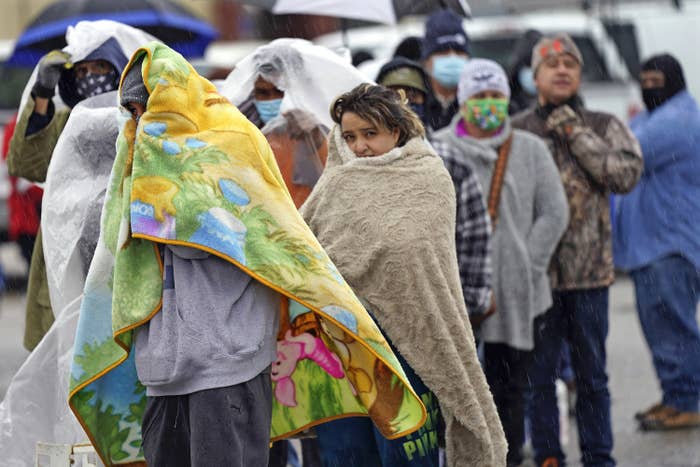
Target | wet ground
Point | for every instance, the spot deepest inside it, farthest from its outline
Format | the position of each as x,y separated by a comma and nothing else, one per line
632,382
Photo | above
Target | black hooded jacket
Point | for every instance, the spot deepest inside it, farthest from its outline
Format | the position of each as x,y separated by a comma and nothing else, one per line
109,51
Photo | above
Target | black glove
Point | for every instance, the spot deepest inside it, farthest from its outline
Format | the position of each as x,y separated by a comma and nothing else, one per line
50,68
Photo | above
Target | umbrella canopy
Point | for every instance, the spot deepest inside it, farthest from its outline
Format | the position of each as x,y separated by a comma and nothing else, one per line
425,7
380,11
164,19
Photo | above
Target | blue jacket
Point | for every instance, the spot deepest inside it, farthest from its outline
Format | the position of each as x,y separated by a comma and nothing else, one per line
661,216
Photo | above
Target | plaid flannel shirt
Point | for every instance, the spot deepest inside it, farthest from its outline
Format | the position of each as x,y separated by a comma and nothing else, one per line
473,236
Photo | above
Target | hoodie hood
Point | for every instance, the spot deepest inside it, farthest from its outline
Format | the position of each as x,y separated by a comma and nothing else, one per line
674,81
109,51
92,40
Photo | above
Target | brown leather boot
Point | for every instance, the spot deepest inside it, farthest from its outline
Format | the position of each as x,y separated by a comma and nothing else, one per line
662,411
671,420
639,416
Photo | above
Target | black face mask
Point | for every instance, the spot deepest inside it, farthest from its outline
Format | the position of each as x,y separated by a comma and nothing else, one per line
655,97
419,109
674,80
92,84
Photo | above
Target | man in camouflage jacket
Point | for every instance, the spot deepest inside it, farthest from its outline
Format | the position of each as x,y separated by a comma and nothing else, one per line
596,155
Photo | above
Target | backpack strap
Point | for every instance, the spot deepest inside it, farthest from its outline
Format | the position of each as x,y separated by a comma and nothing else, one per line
499,174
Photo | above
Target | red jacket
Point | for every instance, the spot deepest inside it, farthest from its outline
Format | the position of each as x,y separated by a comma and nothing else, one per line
23,206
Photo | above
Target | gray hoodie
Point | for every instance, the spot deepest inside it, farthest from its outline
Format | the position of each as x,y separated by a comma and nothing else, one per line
532,216
217,327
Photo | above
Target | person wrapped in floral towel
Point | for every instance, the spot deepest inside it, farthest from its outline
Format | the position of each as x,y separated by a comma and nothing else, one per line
201,253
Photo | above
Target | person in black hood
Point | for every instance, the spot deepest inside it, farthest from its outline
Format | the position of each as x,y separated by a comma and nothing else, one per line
410,47
661,78
658,244
403,74
97,73
520,75
445,49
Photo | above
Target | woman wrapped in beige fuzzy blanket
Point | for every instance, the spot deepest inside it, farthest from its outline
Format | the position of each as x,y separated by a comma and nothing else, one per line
384,210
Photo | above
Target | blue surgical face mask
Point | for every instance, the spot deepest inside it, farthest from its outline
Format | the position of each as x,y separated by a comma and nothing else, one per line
268,109
526,78
447,68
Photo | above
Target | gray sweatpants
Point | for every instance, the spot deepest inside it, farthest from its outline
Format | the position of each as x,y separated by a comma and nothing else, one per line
227,426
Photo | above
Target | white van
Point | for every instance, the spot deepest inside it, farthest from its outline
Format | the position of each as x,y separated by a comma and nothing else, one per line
607,84
662,28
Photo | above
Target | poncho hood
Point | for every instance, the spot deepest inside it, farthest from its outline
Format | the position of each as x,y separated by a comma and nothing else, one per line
310,75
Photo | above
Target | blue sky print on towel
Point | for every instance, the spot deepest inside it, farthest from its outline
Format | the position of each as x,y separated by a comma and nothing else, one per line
223,232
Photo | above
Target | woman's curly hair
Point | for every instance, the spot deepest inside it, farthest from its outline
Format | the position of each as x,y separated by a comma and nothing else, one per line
383,107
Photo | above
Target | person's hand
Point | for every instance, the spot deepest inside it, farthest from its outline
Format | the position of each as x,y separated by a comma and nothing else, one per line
476,320
492,307
50,67
562,121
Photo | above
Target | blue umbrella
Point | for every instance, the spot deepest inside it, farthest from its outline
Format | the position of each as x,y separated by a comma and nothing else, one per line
164,19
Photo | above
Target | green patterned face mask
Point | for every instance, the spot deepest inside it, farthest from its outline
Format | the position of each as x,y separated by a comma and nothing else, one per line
487,114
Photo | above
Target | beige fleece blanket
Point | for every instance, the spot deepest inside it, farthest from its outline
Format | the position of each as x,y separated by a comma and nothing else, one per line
388,223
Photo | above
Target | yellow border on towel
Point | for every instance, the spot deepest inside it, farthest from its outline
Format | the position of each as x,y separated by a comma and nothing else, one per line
264,281
260,279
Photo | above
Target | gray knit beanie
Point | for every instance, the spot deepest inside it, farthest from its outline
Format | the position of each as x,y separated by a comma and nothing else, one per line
133,89
480,74
554,45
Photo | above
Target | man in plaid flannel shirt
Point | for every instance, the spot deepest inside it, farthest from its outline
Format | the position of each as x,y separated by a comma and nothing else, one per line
473,236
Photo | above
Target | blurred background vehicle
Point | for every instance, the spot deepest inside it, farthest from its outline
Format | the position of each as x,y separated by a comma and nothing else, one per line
612,36
607,77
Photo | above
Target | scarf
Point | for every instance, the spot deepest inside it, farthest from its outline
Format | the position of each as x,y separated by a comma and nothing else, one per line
196,173
388,223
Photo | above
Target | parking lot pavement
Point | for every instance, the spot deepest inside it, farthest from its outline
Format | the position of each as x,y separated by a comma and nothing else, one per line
632,384
633,387
12,353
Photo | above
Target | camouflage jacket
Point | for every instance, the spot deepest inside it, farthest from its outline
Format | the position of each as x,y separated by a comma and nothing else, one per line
596,155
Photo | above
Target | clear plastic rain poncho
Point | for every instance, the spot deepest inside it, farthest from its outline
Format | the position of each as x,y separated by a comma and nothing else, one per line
310,75
86,36
35,407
